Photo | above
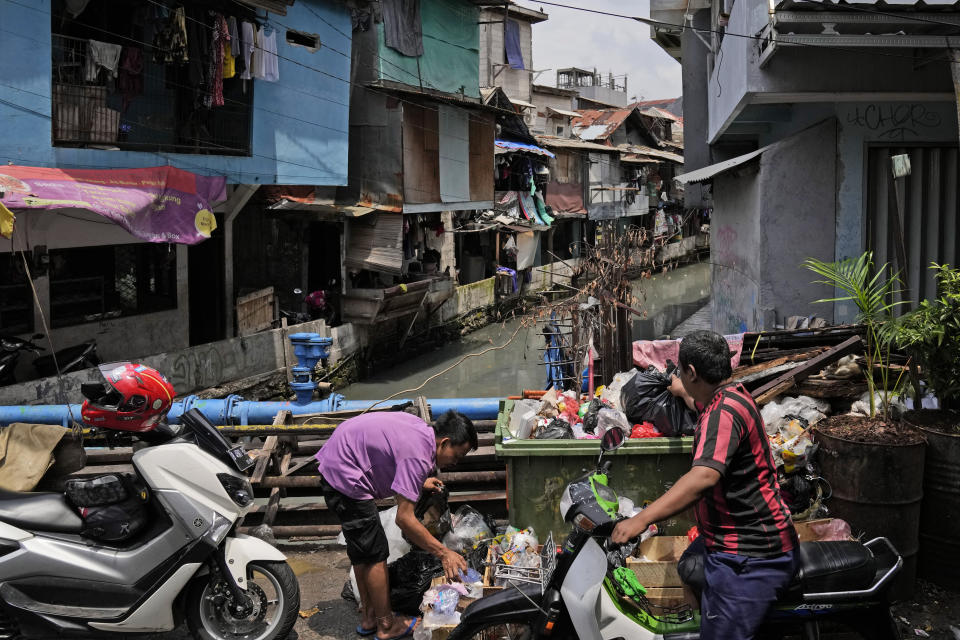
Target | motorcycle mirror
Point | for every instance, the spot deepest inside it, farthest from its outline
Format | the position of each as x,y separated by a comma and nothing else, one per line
612,439
297,292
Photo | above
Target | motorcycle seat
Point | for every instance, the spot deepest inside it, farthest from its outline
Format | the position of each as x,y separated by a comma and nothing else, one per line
39,512
827,567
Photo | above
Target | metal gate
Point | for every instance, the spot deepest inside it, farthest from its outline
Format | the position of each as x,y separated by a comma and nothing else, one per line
931,211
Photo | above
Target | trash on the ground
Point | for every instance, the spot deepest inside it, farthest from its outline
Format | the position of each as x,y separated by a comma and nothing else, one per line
410,577
306,613
777,416
553,429
467,528
439,606
921,633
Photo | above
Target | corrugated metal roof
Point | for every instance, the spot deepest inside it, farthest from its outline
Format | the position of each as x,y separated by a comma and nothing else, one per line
563,112
522,103
648,151
713,170
654,112
595,124
571,143
509,145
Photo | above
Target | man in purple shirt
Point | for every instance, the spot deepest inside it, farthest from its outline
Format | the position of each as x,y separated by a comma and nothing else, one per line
376,456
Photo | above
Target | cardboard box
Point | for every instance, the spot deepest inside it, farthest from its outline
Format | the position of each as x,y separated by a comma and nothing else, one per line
657,565
672,596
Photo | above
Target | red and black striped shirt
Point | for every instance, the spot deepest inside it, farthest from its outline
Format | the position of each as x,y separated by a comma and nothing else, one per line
744,512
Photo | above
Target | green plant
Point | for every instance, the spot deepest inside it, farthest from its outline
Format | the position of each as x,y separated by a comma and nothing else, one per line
873,294
932,333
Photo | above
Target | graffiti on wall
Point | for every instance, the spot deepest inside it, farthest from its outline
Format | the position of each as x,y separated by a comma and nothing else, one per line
895,122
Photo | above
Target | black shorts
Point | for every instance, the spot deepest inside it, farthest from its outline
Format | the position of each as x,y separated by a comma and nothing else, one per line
360,520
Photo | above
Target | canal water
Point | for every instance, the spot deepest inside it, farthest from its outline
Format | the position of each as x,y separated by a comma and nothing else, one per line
668,299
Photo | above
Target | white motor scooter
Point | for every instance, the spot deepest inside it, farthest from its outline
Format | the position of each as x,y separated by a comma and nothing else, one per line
187,562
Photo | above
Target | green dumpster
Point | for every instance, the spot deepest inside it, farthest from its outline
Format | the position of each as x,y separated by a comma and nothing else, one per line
539,470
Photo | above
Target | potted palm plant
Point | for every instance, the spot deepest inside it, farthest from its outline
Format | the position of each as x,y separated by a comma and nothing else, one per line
874,462
932,333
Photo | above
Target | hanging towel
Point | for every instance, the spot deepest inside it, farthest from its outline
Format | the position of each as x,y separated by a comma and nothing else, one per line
402,28
511,44
101,54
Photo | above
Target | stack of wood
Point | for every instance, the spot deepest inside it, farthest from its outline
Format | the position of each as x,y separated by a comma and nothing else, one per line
801,362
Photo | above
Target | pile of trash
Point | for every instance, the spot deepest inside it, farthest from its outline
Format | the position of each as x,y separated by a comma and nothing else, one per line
637,402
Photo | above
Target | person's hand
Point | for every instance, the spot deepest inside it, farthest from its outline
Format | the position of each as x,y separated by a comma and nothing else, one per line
627,529
433,484
453,564
676,386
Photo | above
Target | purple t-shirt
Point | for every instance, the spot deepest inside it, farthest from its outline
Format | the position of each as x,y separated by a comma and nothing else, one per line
377,455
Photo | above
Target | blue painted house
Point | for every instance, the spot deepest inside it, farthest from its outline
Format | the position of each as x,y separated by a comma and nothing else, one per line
261,98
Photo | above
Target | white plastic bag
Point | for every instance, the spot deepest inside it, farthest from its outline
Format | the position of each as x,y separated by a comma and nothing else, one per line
523,418
608,418
775,415
611,393
395,543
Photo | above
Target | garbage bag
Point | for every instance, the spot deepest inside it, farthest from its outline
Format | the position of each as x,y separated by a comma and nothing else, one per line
556,429
396,543
647,398
590,417
777,415
410,577
468,527
433,512
610,418
611,394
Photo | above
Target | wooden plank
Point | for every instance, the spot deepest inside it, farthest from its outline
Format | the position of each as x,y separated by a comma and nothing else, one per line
742,372
423,409
273,503
786,381
263,460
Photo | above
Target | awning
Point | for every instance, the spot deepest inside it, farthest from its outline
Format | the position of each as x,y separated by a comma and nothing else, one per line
376,243
638,159
713,170
520,103
321,207
519,146
156,204
562,112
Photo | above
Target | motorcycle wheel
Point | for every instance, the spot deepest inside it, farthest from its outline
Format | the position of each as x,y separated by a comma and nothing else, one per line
508,631
275,601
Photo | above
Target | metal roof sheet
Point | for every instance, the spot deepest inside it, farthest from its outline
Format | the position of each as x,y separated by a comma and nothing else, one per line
572,143
563,112
713,170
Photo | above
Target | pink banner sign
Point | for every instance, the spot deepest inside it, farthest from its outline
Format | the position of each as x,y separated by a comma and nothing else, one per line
156,204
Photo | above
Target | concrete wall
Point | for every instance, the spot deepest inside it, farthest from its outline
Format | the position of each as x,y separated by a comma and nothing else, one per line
735,262
189,370
514,82
795,71
696,151
605,95
117,338
766,222
548,126
296,138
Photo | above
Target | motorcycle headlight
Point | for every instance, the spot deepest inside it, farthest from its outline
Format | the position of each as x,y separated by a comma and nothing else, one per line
605,493
565,502
239,489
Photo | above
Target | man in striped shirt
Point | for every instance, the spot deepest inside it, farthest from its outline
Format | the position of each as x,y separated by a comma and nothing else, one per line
747,539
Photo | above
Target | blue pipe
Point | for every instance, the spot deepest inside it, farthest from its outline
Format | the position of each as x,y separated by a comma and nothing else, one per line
235,410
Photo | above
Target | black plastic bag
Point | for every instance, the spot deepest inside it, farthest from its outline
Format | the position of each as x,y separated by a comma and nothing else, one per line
557,429
410,577
647,398
590,417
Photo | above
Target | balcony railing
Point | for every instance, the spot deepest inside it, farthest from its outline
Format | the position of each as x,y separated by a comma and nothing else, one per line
156,110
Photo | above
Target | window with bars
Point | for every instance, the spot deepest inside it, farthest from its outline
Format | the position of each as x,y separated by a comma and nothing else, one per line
88,284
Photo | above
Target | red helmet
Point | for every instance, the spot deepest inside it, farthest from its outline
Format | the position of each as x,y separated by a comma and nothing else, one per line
134,398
